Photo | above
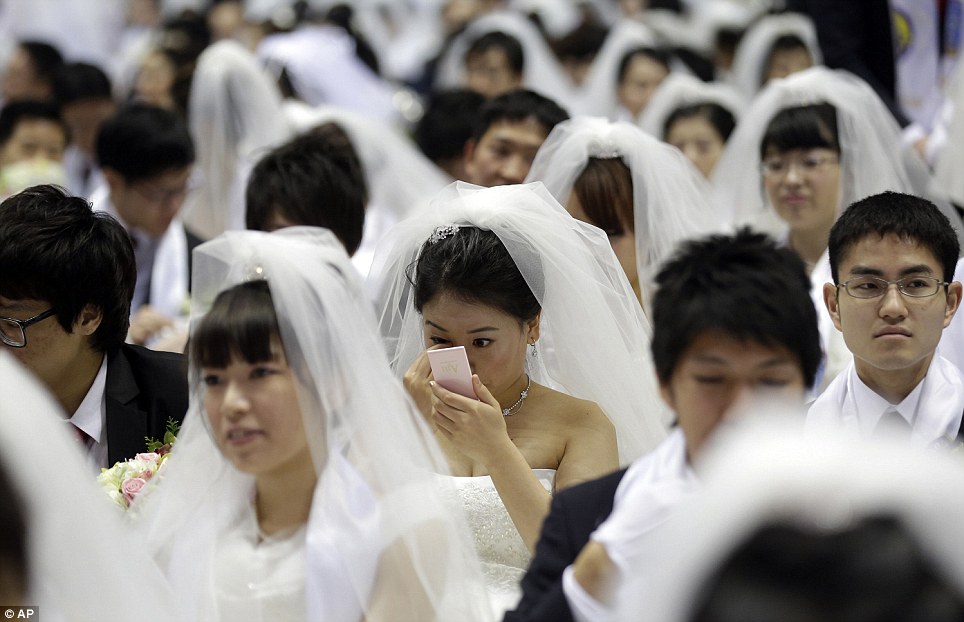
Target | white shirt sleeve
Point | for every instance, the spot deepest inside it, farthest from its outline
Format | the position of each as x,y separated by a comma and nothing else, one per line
584,607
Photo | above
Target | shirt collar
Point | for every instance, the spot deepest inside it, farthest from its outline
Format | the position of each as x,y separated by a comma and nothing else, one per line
871,406
91,413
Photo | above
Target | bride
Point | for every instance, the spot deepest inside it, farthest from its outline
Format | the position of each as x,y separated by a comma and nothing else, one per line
556,341
303,485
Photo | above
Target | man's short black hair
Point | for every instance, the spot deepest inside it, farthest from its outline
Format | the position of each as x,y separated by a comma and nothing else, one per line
79,82
744,285
904,215
55,248
16,112
45,59
497,40
519,105
447,124
142,141
314,179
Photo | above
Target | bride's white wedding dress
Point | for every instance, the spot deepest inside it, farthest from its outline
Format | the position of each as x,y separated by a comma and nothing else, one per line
503,554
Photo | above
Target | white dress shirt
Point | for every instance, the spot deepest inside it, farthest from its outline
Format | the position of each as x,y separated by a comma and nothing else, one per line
651,489
91,419
933,409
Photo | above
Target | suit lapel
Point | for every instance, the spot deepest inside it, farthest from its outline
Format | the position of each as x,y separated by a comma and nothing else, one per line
126,423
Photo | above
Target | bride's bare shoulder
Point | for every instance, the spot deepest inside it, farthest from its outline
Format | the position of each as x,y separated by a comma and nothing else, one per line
571,411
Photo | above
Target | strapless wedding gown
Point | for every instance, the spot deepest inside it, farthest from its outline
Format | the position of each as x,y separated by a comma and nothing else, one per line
503,554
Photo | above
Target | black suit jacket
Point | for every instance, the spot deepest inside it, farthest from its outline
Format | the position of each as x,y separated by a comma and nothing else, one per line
574,515
143,389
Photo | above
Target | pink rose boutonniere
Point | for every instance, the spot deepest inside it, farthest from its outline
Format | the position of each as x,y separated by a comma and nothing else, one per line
125,480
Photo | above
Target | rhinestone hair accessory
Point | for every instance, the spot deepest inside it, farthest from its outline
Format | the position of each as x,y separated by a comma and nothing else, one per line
255,272
603,148
442,232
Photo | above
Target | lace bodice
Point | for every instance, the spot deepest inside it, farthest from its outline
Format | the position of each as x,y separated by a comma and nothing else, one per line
503,554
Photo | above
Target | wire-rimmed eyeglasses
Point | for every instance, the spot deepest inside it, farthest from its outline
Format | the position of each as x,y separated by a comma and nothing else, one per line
875,287
13,332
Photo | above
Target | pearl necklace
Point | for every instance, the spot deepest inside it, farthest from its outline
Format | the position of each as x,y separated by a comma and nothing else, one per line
511,410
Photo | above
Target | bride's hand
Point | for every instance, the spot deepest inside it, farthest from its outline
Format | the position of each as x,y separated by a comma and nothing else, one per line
475,427
416,381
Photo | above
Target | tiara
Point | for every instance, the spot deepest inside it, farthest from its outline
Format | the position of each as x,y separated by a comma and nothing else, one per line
442,232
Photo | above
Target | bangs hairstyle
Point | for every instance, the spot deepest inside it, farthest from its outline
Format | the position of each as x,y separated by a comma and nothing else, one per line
659,57
55,248
783,43
497,40
717,116
743,285
605,191
904,215
472,265
241,325
813,126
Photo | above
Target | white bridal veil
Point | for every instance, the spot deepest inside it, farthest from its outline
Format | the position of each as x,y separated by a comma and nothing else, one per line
594,341
670,197
379,505
82,562
872,159
235,118
749,61
541,71
680,89
773,474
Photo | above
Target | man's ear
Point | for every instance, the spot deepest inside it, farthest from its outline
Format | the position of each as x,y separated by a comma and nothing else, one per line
89,320
830,292
954,291
666,392
115,181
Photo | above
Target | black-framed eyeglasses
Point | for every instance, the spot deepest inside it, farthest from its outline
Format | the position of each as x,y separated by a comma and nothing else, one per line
13,332
875,287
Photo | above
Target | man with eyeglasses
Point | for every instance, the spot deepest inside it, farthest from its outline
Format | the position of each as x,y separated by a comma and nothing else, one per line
66,278
892,256
146,156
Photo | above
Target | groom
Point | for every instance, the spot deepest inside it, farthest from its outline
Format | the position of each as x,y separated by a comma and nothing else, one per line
66,280
732,320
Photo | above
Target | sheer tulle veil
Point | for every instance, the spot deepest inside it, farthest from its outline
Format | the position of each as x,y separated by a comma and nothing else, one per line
235,118
378,487
594,337
772,473
670,197
872,158
680,89
83,563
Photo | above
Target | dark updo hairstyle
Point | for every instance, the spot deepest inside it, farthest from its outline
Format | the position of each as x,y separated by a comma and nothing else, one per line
605,191
717,116
811,126
873,571
474,266
241,324
13,540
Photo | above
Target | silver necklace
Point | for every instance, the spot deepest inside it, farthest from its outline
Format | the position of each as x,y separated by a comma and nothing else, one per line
511,410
